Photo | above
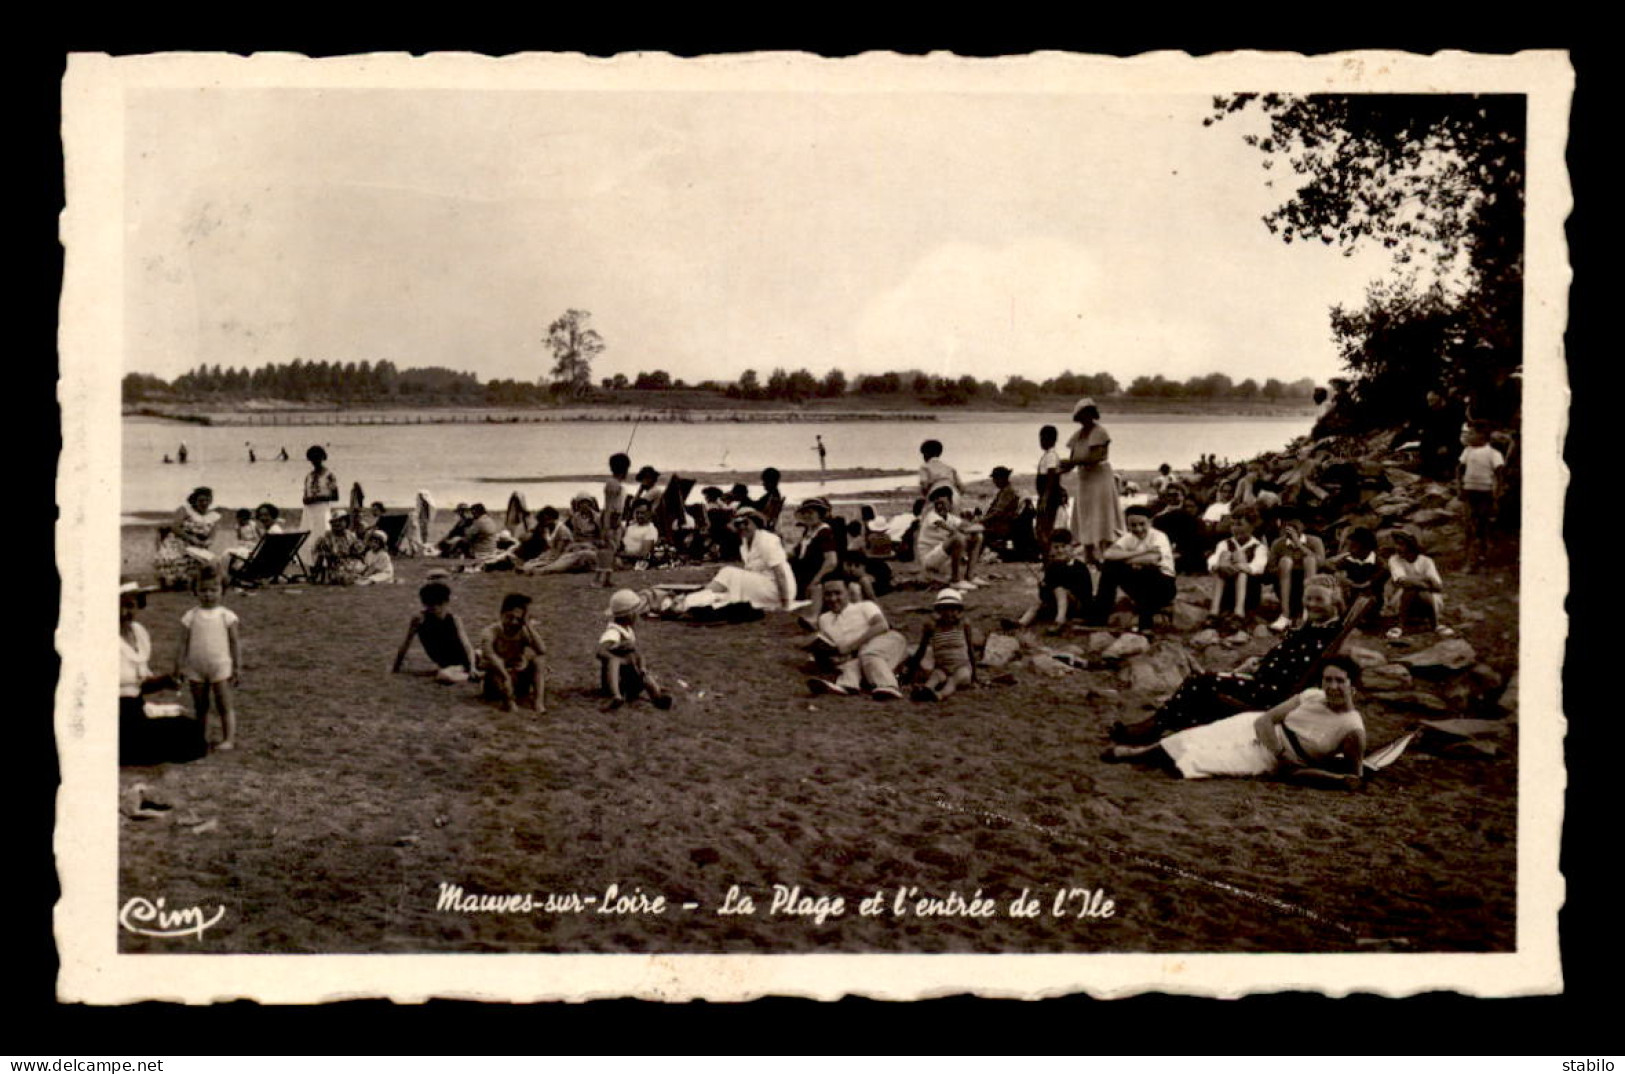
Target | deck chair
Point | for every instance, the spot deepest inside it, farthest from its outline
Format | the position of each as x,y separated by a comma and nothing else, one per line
393,526
1351,619
274,559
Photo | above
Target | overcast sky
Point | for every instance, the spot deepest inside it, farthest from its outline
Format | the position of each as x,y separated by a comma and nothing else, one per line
711,233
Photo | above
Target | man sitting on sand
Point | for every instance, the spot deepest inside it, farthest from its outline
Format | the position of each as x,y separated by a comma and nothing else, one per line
856,638
946,541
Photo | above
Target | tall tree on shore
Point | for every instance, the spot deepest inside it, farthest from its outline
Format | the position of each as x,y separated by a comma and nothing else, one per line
1436,179
574,346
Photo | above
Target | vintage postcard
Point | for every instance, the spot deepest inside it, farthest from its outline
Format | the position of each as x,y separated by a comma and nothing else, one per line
770,525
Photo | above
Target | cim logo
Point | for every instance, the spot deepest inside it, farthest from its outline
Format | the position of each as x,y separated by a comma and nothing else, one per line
147,918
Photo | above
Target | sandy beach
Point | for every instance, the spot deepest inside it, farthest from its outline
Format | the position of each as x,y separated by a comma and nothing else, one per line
355,794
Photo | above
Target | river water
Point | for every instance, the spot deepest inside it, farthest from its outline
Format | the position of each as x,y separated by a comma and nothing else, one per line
485,462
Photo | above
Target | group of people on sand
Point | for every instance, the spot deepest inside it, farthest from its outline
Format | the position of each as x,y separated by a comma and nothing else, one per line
508,660
1289,712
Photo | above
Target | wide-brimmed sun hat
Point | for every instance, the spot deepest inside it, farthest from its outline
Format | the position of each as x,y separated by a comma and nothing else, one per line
624,602
750,514
949,598
1086,401
999,471
817,503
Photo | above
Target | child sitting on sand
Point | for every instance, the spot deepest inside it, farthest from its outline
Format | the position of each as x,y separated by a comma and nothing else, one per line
441,633
376,566
1066,587
1295,557
248,535
621,671
1359,571
511,654
210,656
1415,590
1238,565
946,655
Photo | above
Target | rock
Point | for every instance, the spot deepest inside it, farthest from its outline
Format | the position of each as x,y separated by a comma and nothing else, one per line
1400,478
1389,510
1433,494
1188,617
1486,678
1416,699
1509,696
1000,650
1262,630
1449,655
1471,615
1206,637
1384,677
1432,516
1125,646
1240,637
1122,620
1049,667
1099,642
1159,671
1366,657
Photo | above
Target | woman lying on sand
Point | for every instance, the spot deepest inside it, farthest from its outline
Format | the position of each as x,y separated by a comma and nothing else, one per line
1316,737
586,535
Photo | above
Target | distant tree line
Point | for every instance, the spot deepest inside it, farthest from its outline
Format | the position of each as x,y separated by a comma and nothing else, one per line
382,383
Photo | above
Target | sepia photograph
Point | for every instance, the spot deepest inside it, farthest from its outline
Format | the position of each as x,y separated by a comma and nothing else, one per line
778,506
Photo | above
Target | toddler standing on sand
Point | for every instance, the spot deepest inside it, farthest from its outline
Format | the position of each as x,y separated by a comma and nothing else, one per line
621,672
210,656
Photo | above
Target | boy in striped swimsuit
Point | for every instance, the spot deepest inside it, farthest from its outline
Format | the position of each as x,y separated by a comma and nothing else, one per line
946,654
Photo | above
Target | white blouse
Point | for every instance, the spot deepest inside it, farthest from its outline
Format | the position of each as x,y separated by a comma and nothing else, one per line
132,667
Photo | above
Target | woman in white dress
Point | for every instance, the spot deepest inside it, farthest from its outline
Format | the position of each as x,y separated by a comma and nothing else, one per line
1314,737
765,581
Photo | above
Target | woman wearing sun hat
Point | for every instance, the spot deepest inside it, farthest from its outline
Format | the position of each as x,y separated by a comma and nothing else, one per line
1097,513
817,555
765,581
144,739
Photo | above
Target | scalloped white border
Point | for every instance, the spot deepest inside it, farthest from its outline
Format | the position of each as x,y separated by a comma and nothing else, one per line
91,344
